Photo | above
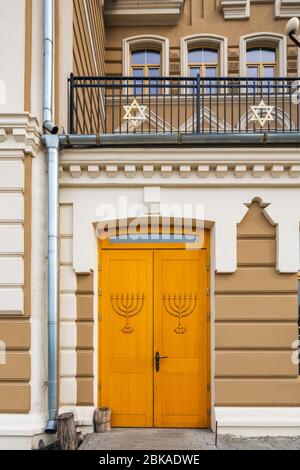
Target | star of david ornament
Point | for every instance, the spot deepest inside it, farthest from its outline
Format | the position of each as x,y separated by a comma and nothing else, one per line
262,113
135,113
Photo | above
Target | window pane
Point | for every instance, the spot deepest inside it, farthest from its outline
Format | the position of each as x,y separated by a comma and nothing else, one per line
138,72
268,55
252,72
194,71
211,72
195,56
153,57
210,56
253,55
138,57
261,55
154,72
269,72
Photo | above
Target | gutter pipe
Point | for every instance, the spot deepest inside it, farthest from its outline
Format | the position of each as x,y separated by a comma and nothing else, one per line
106,140
51,142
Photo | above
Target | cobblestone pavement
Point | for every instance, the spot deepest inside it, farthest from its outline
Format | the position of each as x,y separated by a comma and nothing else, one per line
183,439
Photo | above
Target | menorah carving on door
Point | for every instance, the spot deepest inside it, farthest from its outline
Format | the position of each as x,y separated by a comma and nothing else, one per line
127,306
180,306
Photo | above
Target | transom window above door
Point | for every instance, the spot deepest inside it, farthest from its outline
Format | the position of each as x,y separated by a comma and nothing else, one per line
203,61
261,62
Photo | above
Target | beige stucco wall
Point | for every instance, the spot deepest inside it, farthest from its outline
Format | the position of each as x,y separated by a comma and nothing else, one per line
202,17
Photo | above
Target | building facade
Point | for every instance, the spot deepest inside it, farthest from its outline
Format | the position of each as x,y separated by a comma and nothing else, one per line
174,117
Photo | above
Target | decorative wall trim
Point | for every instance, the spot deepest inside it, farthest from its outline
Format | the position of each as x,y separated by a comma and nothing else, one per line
287,8
146,40
220,42
264,39
20,132
230,172
235,9
136,13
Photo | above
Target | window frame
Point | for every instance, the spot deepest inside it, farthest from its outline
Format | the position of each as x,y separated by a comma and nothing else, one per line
202,66
265,40
209,41
261,65
147,66
153,42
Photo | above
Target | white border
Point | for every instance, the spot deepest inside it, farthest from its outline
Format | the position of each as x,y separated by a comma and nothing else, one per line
133,41
265,39
258,421
214,40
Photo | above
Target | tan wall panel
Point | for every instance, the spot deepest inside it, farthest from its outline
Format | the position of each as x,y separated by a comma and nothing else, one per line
256,335
255,224
85,282
251,252
85,307
257,280
17,367
270,392
85,335
259,307
16,335
255,364
85,339
85,361
85,391
14,398
205,17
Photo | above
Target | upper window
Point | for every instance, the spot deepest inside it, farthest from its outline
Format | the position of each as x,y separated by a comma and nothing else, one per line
263,55
203,61
261,62
203,54
145,63
146,55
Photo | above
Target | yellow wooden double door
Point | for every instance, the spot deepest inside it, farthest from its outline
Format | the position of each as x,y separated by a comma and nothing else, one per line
153,341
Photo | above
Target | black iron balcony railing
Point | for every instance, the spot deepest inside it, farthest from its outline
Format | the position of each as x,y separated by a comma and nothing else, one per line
183,106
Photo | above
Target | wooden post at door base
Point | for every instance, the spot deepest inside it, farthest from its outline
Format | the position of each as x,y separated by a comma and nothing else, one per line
66,432
102,417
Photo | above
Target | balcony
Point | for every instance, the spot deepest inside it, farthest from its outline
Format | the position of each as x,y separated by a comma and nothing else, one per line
171,110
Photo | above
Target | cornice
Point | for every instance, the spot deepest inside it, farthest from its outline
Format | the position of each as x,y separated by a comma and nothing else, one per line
184,174
241,9
20,132
287,8
143,12
235,9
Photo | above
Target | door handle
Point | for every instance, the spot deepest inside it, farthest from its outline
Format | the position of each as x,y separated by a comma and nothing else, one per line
158,357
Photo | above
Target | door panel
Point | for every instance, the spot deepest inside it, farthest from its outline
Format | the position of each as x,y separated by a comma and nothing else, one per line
154,301
127,337
180,332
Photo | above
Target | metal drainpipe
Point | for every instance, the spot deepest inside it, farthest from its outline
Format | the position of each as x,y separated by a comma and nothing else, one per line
51,141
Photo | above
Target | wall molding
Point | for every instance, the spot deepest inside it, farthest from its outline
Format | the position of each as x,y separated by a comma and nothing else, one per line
209,173
287,8
235,9
20,132
136,13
